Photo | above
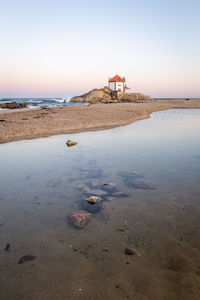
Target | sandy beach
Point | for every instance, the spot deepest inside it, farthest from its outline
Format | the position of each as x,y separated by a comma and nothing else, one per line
36,123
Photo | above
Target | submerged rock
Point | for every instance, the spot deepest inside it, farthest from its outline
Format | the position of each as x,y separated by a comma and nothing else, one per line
139,183
70,143
91,207
80,219
128,251
26,258
110,187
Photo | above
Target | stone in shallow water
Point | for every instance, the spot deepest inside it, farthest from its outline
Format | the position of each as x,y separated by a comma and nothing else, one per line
93,199
91,208
139,183
70,143
128,251
26,258
109,187
80,219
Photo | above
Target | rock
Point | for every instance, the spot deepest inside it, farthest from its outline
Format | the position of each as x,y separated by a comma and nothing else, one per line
70,143
107,90
80,219
109,187
94,96
7,247
105,95
139,183
93,199
26,258
128,251
13,105
91,208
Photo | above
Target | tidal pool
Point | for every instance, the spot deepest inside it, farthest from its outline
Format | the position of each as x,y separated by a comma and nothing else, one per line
149,177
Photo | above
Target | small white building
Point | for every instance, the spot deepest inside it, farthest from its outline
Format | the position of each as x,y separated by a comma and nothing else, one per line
117,83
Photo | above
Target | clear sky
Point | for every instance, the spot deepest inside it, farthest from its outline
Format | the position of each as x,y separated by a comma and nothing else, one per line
58,48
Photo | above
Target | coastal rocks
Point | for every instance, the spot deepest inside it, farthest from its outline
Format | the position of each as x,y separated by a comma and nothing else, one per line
139,183
80,219
70,143
94,96
105,95
13,105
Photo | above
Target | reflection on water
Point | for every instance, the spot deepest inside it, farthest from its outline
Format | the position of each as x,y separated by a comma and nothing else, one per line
142,241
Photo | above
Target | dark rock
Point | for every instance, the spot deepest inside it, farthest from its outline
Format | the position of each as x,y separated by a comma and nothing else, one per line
80,218
2,120
91,208
128,251
110,187
26,258
7,248
139,183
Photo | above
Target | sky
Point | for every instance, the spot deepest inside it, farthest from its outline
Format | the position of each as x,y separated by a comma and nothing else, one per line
57,48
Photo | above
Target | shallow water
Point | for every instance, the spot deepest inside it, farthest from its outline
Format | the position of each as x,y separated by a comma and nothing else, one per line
40,186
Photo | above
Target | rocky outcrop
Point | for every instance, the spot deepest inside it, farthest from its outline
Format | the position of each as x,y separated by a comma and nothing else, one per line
94,96
80,219
13,105
105,95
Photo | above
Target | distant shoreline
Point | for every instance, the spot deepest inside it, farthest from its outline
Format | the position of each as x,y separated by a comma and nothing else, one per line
23,124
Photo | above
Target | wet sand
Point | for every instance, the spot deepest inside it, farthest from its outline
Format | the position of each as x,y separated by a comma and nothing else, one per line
36,123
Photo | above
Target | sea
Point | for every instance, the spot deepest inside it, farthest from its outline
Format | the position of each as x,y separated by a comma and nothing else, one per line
40,102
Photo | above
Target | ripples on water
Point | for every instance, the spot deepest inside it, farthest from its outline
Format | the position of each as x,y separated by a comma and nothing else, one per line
42,182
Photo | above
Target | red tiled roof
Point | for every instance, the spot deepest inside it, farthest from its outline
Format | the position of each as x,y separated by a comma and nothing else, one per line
117,78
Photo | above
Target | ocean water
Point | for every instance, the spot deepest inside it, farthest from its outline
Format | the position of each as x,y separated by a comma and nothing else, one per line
38,102
153,209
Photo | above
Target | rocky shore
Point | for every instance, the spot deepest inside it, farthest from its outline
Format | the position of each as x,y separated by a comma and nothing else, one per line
106,95
20,124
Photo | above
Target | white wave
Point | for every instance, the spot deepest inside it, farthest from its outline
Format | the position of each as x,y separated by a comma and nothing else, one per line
60,100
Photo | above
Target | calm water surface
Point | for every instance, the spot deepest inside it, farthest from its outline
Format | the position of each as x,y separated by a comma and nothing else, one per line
42,182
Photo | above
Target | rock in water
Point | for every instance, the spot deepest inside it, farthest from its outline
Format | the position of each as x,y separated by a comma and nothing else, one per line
128,251
91,208
93,199
70,143
25,258
80,219
139,183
